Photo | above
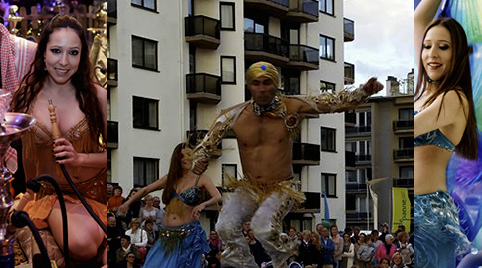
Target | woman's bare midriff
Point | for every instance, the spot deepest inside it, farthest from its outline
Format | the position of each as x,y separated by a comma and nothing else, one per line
177,218
430,169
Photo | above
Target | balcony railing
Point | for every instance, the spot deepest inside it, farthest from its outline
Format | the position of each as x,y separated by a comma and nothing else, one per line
350,159
303,57
358,130
403,182
356,187
203,31
276,8
112,72
195,136
349,73
303,11
203,87
349,30
113,130
363,158
260,46
358,215
403,125
112,11
306,154
403,154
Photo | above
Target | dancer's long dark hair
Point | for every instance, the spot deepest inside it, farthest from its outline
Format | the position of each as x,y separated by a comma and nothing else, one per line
82,80
175,172
457,79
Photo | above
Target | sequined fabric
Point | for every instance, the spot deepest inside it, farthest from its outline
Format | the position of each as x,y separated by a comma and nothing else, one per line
438,237
178,247
190,196
434,137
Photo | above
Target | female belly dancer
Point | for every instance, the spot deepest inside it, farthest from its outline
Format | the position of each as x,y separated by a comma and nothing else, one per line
444,123
182,241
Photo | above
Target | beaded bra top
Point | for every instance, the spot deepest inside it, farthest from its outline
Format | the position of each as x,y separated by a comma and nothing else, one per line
434,137
191,196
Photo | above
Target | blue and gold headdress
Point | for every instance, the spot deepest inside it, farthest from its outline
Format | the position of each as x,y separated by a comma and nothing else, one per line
262,68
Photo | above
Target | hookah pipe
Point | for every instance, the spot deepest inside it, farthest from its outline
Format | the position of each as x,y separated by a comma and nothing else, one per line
56,134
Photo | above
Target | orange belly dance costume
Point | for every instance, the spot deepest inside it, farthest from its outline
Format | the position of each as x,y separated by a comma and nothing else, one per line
37,152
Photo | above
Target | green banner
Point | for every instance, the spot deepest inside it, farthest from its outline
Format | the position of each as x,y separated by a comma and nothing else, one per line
401,209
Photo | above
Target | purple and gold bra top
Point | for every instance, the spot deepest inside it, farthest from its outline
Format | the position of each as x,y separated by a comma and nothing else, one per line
434,137
191,196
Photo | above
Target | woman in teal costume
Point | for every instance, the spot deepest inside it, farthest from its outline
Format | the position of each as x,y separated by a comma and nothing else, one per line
182,241
444,122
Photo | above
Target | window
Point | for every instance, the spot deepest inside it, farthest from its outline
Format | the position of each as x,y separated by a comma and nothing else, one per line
327,48
406,172
192,59
144,53
365,119
364,150
147,4
328,184
290,82
192,115
228,67
227,16
351,176
350,202
252,26
109,165
190,7
327,87
229,171
145,113
364,175
405,143
146,171
328,139
327,6
405,114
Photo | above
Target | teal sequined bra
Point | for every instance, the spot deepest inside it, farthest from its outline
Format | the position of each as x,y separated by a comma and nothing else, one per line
191,196
434,137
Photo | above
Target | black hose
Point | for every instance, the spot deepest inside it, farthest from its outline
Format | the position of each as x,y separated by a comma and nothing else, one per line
34,185
21,219
82,199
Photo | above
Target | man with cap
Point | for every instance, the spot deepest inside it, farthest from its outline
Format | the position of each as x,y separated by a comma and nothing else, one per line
264,127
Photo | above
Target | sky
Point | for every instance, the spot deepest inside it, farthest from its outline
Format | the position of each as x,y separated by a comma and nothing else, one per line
383,44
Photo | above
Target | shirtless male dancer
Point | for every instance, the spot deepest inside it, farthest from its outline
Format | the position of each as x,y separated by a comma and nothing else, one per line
264,127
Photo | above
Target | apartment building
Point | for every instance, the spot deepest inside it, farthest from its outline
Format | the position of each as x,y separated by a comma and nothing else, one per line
379,150
174,66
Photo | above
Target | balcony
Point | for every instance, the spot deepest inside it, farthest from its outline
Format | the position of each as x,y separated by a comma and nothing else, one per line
349,30
350,131
202,31
196,136
203,87
403,182
113,134
275,8
111,12
349,73
350,159
403,126
363,158
112,72
303,11
303,58
403,154
258,46
306,154
356,187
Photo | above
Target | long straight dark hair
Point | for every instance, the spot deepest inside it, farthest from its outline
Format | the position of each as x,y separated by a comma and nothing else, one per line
82,80
457,79
175,172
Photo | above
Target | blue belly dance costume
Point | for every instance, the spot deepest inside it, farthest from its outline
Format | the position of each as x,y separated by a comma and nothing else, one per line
180,246
438,236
